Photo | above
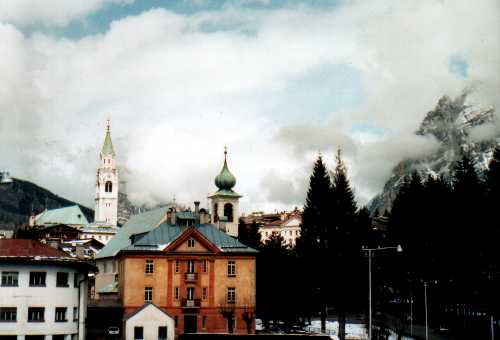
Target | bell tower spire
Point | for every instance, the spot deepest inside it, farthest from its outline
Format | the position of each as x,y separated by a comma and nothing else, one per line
225,202
106,200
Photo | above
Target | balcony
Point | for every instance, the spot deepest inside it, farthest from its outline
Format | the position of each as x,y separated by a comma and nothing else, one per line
191,277
191,303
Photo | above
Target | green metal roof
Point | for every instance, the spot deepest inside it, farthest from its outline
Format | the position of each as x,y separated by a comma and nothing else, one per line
107,148
166,233
69,215
137,224
185,215
225,193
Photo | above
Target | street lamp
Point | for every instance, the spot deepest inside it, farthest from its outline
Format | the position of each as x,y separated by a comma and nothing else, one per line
399,249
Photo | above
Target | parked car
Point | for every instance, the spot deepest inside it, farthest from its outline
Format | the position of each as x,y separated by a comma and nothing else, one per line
113,330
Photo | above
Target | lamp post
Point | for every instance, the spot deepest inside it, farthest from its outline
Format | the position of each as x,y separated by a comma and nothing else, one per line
370,250
426,320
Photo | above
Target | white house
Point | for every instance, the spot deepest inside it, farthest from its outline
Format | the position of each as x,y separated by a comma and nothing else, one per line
149,322
43,292
288,227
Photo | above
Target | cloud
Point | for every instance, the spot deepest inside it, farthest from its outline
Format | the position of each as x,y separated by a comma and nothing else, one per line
50,12
177,93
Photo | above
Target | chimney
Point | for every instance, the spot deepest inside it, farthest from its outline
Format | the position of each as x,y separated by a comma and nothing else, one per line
197,213
172,216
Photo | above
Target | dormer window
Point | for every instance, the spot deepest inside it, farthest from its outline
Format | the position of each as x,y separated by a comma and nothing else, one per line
191,243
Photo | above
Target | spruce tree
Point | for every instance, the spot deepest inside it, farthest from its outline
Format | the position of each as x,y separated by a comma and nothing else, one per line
312,244
343,246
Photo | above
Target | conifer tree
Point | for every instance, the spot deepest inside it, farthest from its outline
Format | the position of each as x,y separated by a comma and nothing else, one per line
343,246
312,244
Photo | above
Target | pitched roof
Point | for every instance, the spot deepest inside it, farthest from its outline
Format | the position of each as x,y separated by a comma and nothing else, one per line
68,215
140,309
136,225
35,252
159,238
29,248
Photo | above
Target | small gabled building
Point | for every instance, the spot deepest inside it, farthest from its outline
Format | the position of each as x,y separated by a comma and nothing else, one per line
149,322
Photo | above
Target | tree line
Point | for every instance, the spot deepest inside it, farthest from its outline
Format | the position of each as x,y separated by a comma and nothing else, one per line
447,227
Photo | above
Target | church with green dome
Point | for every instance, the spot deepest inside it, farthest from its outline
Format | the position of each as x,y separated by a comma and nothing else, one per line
225,201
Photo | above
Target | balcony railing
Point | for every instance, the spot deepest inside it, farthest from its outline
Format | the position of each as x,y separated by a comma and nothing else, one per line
191,277
188,303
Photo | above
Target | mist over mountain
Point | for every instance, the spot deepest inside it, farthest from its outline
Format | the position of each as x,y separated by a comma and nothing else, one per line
459,127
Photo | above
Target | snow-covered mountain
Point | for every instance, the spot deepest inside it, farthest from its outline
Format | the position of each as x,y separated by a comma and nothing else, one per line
451,123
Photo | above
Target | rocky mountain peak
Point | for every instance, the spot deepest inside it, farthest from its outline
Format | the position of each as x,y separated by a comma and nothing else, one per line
450,123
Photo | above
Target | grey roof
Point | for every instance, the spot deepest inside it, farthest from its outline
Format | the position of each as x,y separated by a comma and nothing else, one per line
166,233
137,224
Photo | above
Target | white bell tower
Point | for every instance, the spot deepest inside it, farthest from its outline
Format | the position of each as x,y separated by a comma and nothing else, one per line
106,196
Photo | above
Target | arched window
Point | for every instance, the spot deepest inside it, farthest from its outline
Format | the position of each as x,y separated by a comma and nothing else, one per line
228,211
108,187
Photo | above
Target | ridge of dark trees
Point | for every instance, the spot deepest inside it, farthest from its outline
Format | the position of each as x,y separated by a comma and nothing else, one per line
448,228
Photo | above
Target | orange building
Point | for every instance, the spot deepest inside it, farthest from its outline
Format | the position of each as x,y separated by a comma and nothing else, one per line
201,276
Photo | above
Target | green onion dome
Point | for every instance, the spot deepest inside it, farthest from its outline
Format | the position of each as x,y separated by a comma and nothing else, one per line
225,179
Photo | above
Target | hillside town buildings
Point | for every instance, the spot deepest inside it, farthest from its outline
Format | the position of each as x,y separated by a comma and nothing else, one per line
43,292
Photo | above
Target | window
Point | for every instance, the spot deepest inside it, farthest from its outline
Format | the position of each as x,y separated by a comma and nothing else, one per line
138,333
148,294
75,280
204,293
75,313
105,267
177,266
37,279
149,267
205,266
108,187
190,266
190,293
231,295
36,314
176,293
228,211
204,323
231,268
10,279
162,333
191,243
8,314
61,314
62,279
58,337
114,264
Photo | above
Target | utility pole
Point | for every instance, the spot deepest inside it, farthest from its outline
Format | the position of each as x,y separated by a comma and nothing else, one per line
426,320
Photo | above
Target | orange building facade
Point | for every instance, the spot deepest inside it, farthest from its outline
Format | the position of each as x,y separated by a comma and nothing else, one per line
202,277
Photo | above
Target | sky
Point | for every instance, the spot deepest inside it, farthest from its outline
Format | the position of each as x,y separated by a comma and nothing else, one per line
276,81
